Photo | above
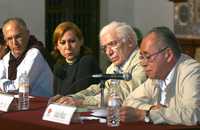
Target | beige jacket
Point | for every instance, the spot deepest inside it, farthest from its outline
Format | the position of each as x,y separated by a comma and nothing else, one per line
183,95
91,95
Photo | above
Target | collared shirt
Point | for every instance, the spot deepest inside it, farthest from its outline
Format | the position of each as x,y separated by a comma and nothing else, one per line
163,85
122,66
117,70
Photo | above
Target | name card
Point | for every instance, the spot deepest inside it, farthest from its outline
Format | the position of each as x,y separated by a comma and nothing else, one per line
59,113
5,101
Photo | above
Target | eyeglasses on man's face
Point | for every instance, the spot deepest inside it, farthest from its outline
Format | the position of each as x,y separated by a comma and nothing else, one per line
113,44
149,57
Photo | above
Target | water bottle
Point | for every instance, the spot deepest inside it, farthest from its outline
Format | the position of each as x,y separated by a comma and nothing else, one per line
23,84
113,118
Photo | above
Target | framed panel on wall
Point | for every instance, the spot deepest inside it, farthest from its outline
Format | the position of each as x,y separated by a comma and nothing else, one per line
187,24
186,19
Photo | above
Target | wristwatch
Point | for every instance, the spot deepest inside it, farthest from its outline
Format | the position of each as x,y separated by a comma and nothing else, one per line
146,117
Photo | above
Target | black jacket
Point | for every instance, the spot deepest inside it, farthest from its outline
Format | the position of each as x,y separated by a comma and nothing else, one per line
72,78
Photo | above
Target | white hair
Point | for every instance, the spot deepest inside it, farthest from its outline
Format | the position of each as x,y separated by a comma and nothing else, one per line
121,29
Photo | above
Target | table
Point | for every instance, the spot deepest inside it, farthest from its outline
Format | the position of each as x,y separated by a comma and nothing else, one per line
32,120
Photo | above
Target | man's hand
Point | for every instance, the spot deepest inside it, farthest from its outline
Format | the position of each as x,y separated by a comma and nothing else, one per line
65,100
53,99
129,114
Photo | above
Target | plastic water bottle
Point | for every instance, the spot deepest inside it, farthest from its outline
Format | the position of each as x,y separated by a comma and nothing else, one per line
23,101
113,118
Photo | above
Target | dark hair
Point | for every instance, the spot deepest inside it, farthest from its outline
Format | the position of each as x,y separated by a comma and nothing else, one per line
2,41
167,37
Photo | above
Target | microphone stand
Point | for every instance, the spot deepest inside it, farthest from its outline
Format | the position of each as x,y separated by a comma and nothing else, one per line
102,86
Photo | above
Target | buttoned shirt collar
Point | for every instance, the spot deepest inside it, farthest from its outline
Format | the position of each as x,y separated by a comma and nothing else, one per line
164,84
122,66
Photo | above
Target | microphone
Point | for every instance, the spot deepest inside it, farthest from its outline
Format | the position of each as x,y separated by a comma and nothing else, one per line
125,76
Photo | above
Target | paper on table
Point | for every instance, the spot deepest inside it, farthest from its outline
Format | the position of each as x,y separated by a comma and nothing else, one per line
99,112
59,113
17,96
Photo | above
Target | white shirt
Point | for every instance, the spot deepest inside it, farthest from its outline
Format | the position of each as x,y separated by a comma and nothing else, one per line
40,75
163,85
2,69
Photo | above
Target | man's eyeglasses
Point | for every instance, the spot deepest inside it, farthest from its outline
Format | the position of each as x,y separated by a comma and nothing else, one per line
113,44
148,57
